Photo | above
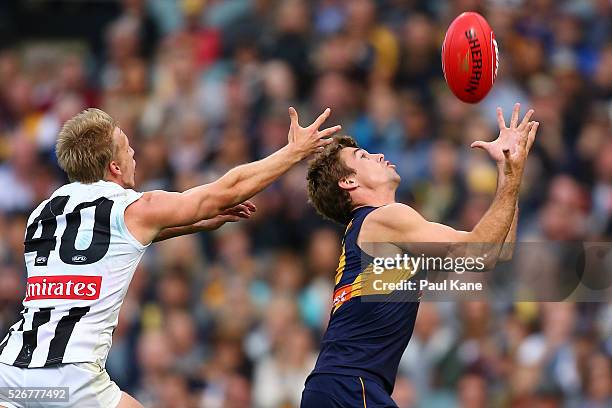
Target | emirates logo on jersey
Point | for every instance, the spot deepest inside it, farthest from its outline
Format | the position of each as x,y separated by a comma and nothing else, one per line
63,287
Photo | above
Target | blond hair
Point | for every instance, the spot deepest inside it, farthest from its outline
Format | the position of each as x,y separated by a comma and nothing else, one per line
85,145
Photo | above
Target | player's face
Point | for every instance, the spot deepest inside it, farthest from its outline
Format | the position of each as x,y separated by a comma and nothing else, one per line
372,171
125,158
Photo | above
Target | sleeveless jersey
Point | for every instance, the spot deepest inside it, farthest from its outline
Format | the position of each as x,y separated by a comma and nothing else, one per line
364,338
80,259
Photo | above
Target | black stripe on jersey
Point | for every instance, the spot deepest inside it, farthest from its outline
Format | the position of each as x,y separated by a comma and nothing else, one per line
5,342
63,331
30,337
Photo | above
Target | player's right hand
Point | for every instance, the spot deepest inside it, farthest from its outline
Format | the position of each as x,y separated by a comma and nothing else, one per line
514,162
512,146
308,140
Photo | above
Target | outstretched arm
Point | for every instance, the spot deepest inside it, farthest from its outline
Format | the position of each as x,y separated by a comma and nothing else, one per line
495,150
157,210
402,225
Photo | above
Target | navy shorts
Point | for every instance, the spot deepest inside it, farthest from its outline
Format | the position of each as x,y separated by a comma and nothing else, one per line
342,391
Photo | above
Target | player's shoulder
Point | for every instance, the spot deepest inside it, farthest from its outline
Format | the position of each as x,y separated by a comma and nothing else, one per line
390,214
146,205
148,198
384,222
379,223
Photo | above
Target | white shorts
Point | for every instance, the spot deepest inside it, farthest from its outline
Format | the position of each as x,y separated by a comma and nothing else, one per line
89,385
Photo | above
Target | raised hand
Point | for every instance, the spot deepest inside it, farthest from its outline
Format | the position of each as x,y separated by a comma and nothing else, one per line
308,140
509,137
513,144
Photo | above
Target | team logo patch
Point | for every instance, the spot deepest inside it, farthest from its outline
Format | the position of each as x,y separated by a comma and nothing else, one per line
342,295
80,287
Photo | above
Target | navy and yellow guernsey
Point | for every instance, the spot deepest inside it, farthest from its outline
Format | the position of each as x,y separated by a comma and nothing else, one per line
364,338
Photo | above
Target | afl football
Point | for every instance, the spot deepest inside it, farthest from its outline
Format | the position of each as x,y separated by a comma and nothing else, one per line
470,57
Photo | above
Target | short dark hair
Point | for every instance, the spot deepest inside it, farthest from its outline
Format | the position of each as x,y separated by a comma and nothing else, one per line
324,172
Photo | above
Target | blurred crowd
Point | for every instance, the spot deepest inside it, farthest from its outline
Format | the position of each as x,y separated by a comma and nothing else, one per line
233,318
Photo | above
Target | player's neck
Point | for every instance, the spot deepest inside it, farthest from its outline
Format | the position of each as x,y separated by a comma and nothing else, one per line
374,198
114,180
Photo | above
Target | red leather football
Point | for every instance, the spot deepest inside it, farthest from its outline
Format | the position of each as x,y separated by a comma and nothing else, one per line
470,57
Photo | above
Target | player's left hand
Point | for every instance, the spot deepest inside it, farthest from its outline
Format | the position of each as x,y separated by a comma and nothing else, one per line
509,137
233,214
308,140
